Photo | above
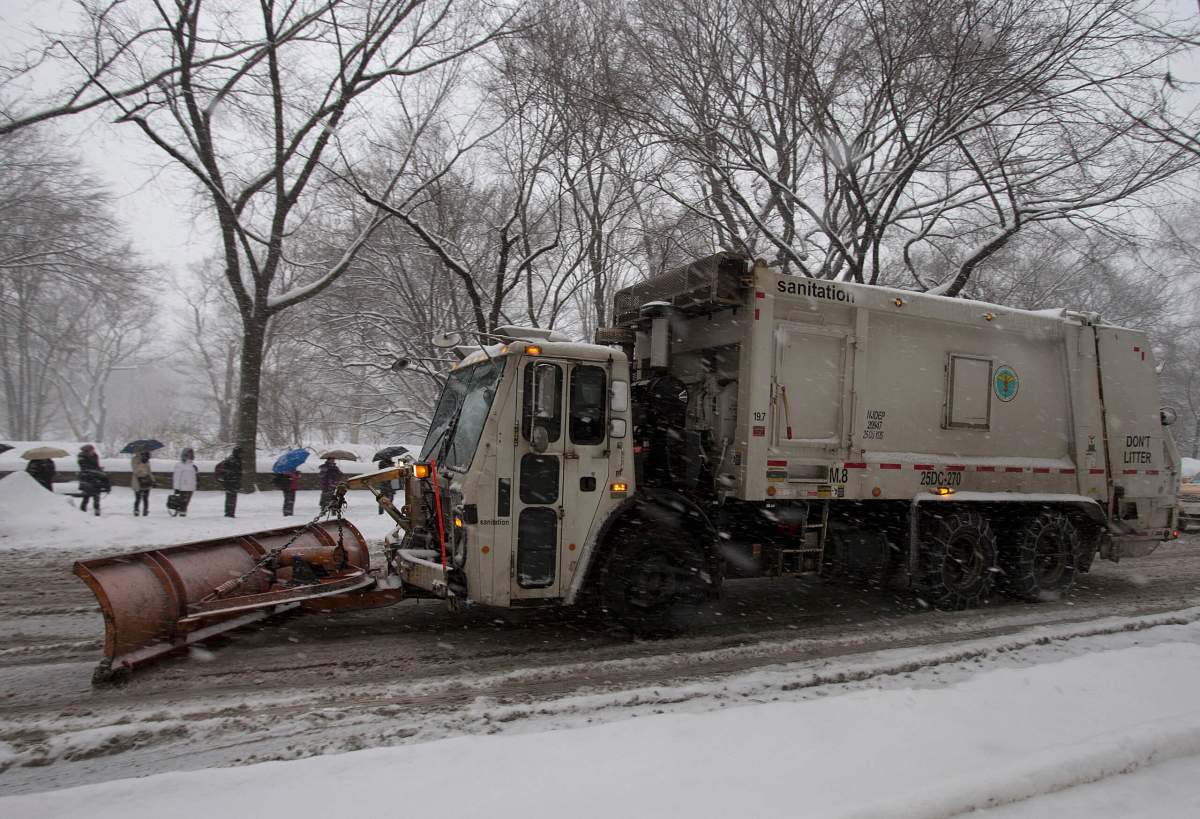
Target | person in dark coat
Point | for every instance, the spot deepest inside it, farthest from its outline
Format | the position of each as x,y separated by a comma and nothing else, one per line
331,476
387,490
92,480
288,484
229,473
42,471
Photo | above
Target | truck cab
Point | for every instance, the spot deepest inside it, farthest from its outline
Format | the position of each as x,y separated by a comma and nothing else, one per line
523,432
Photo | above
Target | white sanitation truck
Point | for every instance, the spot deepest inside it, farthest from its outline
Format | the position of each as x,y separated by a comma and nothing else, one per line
734,422
738,422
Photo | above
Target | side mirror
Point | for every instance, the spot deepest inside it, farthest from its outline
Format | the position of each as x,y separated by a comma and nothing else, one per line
1168,416
539,438
445,341
545,394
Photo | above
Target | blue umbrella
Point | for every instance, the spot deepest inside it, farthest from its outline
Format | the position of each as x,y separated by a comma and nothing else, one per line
290,460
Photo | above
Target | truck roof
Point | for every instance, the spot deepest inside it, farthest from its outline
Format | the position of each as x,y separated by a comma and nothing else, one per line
555,349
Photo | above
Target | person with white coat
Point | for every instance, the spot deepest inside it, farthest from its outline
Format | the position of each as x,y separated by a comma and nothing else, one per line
183,481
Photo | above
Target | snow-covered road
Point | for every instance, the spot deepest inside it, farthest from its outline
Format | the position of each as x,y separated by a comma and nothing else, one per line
1017,722
414,674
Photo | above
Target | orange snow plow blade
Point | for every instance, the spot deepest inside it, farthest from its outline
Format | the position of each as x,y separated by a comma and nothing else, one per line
160,600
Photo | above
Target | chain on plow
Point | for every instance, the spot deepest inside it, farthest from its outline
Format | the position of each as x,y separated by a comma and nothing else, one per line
269,561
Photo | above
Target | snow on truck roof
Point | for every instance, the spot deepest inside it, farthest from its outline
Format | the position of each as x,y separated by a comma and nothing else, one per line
928,305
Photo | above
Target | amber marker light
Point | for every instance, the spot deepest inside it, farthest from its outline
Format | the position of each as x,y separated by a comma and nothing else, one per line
943,490
899,302
421,470
532,349
618,487
458,524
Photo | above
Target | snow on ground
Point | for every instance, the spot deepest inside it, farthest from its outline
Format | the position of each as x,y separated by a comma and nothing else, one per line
32,517
1191,466
1039,733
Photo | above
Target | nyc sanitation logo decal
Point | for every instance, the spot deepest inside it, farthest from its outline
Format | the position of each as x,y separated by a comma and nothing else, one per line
1006,383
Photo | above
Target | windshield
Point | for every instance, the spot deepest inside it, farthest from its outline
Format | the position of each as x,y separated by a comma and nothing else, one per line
461,412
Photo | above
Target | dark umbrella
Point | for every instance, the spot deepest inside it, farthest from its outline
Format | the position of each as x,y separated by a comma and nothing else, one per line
387,453
142,445
5,448
290,460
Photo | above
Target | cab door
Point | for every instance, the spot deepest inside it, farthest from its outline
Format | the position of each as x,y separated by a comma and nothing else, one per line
585,459
537,497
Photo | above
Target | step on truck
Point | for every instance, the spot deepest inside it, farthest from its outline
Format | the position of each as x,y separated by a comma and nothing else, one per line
734,422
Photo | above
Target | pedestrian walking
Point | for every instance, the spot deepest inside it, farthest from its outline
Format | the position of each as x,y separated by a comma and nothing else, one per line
42,471
183,481
331,476
288,482
388,489
141,479
229,473
92,479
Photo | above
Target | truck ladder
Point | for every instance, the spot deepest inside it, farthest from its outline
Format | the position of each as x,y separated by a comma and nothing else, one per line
807,557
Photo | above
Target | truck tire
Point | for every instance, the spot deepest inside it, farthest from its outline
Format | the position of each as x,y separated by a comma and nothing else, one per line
652,582
957,560
1044,558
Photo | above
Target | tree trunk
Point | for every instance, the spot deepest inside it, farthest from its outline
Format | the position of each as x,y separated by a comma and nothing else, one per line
250,377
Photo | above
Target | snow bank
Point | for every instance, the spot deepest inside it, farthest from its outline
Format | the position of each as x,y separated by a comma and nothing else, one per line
1190,466
21,497
999,737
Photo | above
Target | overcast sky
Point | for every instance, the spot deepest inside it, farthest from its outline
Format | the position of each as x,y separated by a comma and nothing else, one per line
154,200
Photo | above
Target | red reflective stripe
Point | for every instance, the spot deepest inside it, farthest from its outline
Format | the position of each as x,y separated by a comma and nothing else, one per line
889,466
776,463
985,469
956,468
760,295
1014,469
756,314
1067,471
922,466
1151,471
1128,471
1041,470
1095,471
855,465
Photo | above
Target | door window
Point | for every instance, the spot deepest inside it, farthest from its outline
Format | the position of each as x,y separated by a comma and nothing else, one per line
537,547
587,405
539,478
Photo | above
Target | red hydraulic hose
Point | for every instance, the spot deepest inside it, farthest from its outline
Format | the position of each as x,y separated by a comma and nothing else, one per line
437,502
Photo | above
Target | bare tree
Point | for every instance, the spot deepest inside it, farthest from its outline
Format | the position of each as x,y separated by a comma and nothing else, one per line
64,277
839,137
250,102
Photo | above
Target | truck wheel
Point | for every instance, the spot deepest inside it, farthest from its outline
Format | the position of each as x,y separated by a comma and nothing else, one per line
650,587
1044,559
958,556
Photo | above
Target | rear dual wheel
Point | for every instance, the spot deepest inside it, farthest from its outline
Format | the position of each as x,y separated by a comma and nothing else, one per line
957,561
1044,558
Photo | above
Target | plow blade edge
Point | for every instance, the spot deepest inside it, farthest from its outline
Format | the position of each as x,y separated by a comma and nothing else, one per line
160,600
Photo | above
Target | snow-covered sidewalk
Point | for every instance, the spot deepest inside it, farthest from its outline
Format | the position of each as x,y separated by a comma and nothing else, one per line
33,518
926,750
